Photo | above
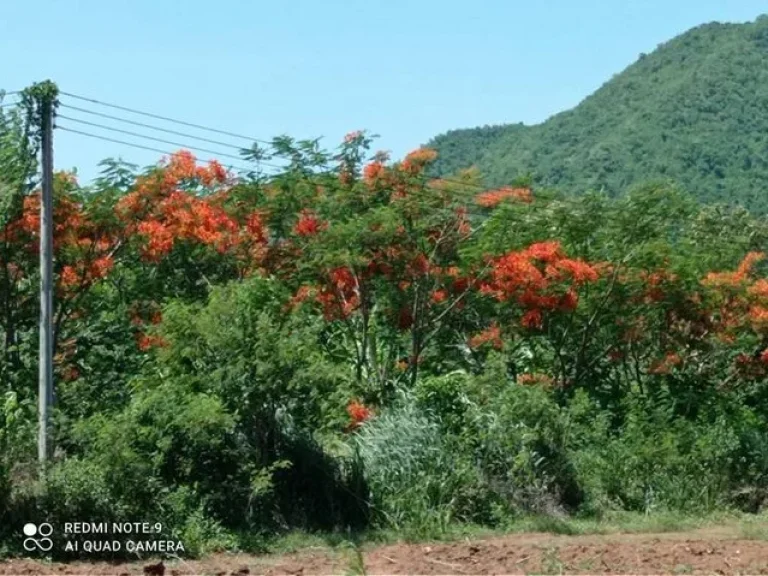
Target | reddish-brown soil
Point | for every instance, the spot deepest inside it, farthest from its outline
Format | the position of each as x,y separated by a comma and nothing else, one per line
711,551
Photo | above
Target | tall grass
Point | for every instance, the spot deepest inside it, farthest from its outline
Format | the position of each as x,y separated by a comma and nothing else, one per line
412,477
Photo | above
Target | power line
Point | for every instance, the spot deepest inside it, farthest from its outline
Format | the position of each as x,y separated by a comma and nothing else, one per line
143,125
165,118
139,135
163,141
468,207
139,146
157,128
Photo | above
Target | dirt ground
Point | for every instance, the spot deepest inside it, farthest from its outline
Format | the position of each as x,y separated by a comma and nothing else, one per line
708,551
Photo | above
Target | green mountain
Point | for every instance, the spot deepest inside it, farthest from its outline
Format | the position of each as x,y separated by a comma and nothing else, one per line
694,111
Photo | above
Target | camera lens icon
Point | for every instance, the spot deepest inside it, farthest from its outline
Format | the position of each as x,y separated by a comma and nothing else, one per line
43,543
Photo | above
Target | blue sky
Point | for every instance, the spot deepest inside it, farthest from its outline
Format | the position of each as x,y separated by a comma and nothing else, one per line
404,69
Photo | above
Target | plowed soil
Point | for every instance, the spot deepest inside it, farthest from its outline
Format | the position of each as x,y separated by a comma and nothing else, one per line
708,551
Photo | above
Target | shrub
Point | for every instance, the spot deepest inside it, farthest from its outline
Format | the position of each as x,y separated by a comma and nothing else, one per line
657,460
521,440
417,483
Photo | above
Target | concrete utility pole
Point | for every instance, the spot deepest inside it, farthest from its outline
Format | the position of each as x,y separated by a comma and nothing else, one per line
46,281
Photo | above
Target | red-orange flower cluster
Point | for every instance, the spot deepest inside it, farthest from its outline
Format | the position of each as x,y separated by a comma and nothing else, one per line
491,335
666,364
373,172
85,272
540,278
340,296
308,224
534,378
164,210
358,414
415,161
734,279
743,301
83,248
147,342
493,198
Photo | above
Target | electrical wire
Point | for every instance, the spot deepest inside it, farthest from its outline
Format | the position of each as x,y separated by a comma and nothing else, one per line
167,119
151,127
140,146
164,118
181,122
139,135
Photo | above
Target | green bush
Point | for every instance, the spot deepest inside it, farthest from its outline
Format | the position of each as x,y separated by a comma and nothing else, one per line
537,454
168,436
657,460
418,484
217,436
77,489
268,374
17,452
190,522
521,440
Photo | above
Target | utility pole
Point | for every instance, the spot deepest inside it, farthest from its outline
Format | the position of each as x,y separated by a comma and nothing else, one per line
44,447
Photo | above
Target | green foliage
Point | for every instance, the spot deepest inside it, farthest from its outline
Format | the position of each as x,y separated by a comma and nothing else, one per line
657,461
18,174
77,488
358,367
418,485
693,111
17,157
192,523
217,432
17,447
166,437
259,361
522,440
500,451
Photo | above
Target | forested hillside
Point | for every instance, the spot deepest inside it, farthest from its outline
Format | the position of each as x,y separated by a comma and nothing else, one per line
694,111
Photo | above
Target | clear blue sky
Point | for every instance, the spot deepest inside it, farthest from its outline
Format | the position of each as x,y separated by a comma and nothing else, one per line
404,69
